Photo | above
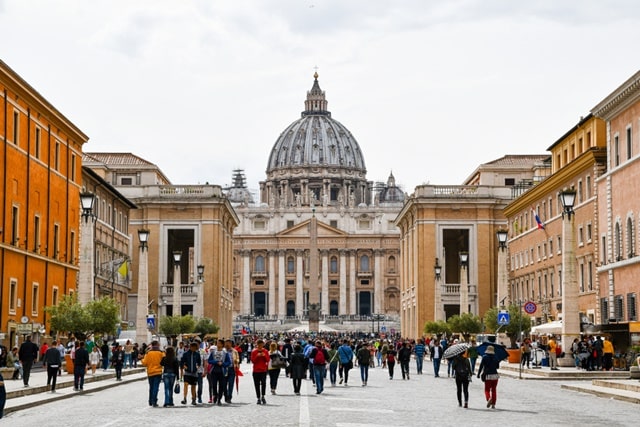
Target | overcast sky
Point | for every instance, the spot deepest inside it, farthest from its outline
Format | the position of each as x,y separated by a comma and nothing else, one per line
429,89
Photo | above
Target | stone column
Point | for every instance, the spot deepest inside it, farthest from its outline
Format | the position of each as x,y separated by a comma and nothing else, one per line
570,316
246,282
86,292
272,283
325,281
343,282
299,283
143,296
377,281
282,308
352,283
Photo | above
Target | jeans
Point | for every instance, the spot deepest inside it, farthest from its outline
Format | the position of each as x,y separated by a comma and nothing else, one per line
333,368
154,386
273,378
218,385
473,364
105,362
78,377
26,370
436,366
169,381
390,366
127,360
462,385
404,367
319,371
118,368
231,379
419,360
364,373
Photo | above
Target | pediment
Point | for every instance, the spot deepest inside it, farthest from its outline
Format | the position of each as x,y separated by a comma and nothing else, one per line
302,230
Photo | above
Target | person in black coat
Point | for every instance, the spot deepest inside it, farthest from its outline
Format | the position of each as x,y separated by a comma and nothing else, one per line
27,354
297,367
80,364
52,361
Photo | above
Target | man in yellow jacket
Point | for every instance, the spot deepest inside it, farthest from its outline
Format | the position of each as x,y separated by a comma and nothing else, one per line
151,361
607,356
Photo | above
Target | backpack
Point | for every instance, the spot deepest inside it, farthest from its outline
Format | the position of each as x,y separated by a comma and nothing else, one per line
462,368
391,357
319,358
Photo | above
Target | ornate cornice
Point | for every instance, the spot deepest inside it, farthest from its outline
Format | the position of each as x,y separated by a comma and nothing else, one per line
619,99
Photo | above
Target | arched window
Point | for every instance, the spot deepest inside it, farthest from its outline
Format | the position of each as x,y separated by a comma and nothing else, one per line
260,264
291,265
631,238
617,241
333,308
364,263
334,265
291,308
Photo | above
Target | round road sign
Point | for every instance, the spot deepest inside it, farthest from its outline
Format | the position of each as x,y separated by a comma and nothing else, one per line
530,307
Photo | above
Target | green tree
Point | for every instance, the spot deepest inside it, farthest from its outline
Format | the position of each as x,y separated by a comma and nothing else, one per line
465,324
438,328
205,326
176,325
97,316
517,320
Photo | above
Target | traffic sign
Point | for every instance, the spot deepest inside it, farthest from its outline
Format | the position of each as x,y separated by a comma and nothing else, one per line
503,317
530,307
151,321
383,328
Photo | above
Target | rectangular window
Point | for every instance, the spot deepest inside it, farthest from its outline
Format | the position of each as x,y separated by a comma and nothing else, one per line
364,282
604,309
73,167
559,244
580,195
16,127
616,151
36,144
126,181
588,185
259,225
15,214
618,308
56,157
289,223
631,307
13,296
550,248
54,296
333,223
35,295
603,251
551,283
36,234
509,182
291,282
580,236
589,233
56,241
581,278
72,249
259,282
629,145
364,224
333,282
590,275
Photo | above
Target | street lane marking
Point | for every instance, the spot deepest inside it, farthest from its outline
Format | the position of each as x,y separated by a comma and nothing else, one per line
304,419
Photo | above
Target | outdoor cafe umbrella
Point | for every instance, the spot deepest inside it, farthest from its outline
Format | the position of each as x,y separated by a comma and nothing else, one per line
455,349
500,350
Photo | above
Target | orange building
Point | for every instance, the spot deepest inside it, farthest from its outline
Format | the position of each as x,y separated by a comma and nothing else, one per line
40,160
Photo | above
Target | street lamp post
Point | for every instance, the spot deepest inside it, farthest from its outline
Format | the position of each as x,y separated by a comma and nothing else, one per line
438,312
464,285
142,306
503,289
86,290
376,317
177,286
570,318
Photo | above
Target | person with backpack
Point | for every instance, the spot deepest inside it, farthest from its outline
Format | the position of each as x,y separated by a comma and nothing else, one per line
391,360
319,356
462,368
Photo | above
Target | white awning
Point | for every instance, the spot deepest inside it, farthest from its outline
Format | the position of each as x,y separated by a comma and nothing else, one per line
554,327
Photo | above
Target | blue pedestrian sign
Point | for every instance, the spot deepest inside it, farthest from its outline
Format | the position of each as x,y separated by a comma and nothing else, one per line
151,321
503,318
383,328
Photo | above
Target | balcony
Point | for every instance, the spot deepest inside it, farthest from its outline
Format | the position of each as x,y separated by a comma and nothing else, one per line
187,290
364,273
258,274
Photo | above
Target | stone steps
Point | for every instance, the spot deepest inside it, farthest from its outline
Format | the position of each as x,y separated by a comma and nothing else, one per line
626,391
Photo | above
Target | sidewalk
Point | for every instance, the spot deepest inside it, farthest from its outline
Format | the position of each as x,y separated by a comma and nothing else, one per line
20,397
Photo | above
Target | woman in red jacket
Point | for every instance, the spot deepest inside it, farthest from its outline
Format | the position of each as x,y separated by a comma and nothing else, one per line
260,362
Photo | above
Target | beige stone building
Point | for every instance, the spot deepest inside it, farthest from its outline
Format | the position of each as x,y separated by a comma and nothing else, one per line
439,222
196,221
316,168
618,264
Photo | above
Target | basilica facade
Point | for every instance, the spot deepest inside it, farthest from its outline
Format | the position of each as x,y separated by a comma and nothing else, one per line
316,169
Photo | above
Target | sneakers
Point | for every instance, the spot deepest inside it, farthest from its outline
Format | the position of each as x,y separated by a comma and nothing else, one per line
264,402
259,402
340,380
489,403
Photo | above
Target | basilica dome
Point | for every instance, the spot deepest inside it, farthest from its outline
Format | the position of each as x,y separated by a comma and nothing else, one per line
316,140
